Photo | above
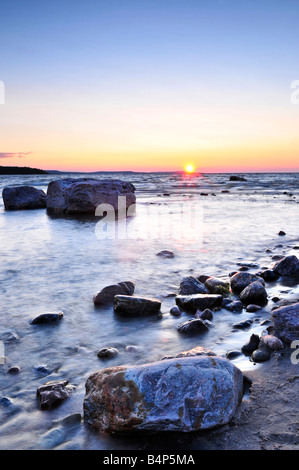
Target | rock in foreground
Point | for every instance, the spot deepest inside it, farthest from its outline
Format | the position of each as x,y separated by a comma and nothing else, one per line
136,306
23,197
83,195
182,394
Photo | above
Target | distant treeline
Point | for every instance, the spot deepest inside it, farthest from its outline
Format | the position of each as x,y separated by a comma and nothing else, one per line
24,170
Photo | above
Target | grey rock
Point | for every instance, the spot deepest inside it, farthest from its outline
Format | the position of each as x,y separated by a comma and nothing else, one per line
166,254
241,280
52,317
23,197
207,314
233,354
42,369
198,351
192,303
181,394
286,322
107,294
253,308
136,306
260,355
202,278
232,305
190,285
52,393
175,311
272,342
14,370
8,337
237,178
84,195
107,353
287,266
193,326
251,345
217,286
255,293
269,276
242,324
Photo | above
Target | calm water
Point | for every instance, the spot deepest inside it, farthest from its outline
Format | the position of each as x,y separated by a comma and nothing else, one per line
53,264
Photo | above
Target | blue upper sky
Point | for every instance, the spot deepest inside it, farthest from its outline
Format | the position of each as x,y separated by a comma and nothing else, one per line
187,52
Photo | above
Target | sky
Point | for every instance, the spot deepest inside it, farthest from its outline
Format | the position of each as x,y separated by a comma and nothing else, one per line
149,85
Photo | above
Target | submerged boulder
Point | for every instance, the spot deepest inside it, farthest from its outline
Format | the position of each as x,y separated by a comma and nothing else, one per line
107,294
83,195
286,322
181,394
23,197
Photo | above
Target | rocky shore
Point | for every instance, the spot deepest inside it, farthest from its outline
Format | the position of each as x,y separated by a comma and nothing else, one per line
196,392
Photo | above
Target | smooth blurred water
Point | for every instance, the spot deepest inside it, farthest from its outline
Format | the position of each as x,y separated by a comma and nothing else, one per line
52,264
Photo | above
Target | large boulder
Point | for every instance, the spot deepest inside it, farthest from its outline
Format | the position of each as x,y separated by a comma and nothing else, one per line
181,394
23,197
240,280
83,195
255,293
286,322
190,285
107,294
287,266
192,303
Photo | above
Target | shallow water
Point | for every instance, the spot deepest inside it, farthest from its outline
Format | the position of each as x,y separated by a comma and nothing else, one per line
53,264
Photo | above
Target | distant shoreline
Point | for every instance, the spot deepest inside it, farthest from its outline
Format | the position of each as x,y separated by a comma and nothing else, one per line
15,170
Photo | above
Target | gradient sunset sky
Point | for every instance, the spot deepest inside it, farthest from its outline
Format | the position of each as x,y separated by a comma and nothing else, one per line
150,85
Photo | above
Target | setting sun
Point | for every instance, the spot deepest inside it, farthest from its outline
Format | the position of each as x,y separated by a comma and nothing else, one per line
189,168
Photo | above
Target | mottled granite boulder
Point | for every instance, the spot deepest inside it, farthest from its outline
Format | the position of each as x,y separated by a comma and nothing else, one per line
286,323
83,195
107,294
23,197
287,266
192,303
181,394
136,306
